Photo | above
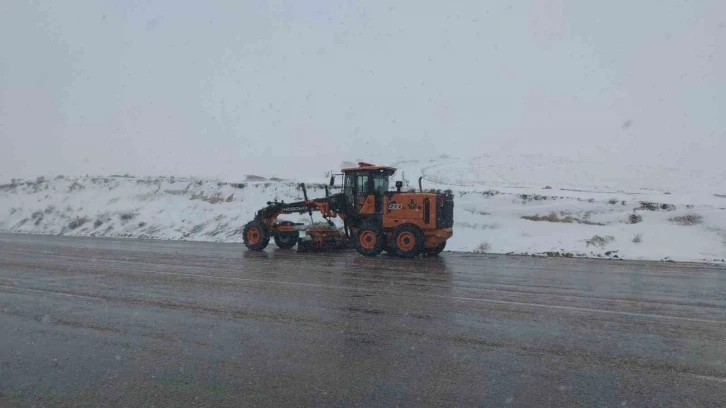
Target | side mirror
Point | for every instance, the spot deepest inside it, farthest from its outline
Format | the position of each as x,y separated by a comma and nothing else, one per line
399,185
332,181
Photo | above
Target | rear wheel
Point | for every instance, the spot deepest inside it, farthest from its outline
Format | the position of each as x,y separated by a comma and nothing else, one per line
256,236
435,250
369,240
407,241
286,240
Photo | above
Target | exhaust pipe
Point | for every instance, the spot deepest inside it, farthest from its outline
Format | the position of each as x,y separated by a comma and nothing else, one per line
420,189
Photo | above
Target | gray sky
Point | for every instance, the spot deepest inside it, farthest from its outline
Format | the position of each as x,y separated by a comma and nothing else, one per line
226,88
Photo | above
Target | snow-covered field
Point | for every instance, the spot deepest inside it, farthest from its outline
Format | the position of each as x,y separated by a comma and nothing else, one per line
521,205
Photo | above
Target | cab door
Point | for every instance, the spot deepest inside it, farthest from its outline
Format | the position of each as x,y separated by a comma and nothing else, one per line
356,191
361,191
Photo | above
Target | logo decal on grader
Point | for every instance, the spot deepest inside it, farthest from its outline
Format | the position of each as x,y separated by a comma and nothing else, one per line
301,208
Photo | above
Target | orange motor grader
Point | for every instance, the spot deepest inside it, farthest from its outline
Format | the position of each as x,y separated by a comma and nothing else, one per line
375,219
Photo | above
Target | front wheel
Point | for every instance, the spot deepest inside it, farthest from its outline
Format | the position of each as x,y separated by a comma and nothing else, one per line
256,236
369,240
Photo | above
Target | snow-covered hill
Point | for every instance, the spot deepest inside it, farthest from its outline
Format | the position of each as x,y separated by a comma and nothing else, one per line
523,205
165,208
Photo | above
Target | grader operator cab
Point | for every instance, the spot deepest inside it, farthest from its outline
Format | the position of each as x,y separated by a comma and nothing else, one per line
375,219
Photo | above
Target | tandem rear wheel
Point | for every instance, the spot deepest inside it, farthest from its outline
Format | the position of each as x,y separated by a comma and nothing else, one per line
435,251
407,241
369,240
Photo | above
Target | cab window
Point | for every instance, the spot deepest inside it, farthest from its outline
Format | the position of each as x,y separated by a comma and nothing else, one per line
349,183
380,185
361,184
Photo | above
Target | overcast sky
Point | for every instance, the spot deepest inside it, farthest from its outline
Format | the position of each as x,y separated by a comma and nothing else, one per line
230,87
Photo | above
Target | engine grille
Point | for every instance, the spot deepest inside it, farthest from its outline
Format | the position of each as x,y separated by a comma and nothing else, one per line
444,211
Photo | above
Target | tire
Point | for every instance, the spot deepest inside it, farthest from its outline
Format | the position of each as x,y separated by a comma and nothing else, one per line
286,240
369,239
256,235
407,241
435,251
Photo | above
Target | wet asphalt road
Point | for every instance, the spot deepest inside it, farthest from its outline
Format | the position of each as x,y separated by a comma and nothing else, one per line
102,322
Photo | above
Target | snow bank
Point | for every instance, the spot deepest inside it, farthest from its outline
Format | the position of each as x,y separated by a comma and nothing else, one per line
530,209
163,208
617,226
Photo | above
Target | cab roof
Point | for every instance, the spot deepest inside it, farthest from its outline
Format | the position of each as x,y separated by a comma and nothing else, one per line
363,166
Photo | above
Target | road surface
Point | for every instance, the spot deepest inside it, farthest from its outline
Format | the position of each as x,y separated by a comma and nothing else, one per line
105,322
